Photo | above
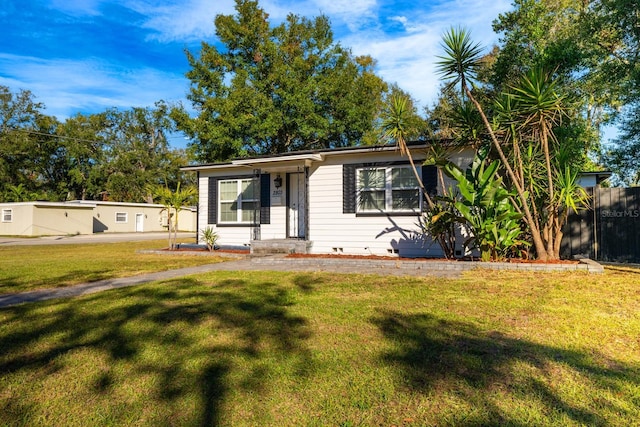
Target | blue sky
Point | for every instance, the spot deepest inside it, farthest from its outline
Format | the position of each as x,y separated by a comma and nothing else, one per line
84,56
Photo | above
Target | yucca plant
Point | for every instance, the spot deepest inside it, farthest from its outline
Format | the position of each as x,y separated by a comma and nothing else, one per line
532,108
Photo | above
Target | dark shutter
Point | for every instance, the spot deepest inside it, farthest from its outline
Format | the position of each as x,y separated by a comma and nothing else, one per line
265,198
212,217
430,179
349,188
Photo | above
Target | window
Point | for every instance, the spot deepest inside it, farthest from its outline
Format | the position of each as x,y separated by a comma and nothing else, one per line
7,215
238,201
121,217
383,189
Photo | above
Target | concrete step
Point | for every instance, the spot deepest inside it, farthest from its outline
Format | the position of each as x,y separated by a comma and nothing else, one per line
280,246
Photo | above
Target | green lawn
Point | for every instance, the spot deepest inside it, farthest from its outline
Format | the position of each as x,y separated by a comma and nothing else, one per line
255,348
26,268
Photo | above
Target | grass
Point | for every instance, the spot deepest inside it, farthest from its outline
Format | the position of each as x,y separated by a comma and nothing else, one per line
256,348
26,268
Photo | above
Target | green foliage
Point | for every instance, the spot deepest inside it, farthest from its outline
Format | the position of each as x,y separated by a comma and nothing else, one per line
112,155
26,151
532,128
397,124
593,49
440,221
276,89
210,237
18,193
461,60
173,202
486,207
138,152
83,139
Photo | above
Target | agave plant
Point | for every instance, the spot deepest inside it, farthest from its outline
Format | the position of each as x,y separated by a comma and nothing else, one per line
210,237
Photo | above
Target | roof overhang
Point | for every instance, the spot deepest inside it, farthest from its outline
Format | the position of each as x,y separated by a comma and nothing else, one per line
284,160
296,158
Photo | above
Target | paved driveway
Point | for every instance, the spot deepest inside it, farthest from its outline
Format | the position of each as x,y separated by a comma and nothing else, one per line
90,238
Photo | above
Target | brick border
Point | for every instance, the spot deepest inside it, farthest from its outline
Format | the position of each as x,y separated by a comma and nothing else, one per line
585,265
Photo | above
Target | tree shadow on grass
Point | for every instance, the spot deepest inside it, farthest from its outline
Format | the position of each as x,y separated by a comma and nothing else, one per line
438,355
189,336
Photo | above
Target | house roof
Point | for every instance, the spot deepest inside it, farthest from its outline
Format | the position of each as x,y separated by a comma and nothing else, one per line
44,204
307,155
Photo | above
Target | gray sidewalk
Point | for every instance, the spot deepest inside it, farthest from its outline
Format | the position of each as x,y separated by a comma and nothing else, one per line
419,268
260,264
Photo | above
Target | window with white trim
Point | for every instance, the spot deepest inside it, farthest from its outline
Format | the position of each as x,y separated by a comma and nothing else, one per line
387,189
121,217
7,215
238,201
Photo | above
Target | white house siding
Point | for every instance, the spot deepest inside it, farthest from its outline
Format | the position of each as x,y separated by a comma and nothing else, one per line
227,235
203,202
333,231
330,230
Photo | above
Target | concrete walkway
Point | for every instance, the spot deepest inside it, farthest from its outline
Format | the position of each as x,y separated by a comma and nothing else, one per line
420,268
246,264
90,238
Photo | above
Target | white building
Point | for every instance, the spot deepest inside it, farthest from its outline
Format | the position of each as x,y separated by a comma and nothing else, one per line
359,200
87,217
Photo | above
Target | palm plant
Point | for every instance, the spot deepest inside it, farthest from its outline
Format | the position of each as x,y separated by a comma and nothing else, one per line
540,109
19,193
397,125
173,202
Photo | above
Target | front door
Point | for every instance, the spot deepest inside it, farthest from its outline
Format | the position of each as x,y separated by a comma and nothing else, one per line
139,223
296,205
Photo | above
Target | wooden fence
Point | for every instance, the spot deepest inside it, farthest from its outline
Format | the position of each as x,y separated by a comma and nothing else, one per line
609,230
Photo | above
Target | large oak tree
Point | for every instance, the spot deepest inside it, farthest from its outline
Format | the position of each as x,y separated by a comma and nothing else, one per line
264,89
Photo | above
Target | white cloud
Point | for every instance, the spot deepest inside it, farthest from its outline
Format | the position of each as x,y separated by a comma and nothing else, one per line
405,44
187,20
346,7
88,86
77,7
409,59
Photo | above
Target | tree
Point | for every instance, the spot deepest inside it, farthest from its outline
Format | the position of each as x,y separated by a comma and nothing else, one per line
399,122
276,89
593,47
615,27
32,157
83,138
531,111
138,153
173,202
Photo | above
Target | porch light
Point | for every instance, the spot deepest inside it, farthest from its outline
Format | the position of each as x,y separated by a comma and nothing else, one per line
277,182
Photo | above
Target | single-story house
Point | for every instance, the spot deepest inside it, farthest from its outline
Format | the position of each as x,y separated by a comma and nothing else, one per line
87,217
356,200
